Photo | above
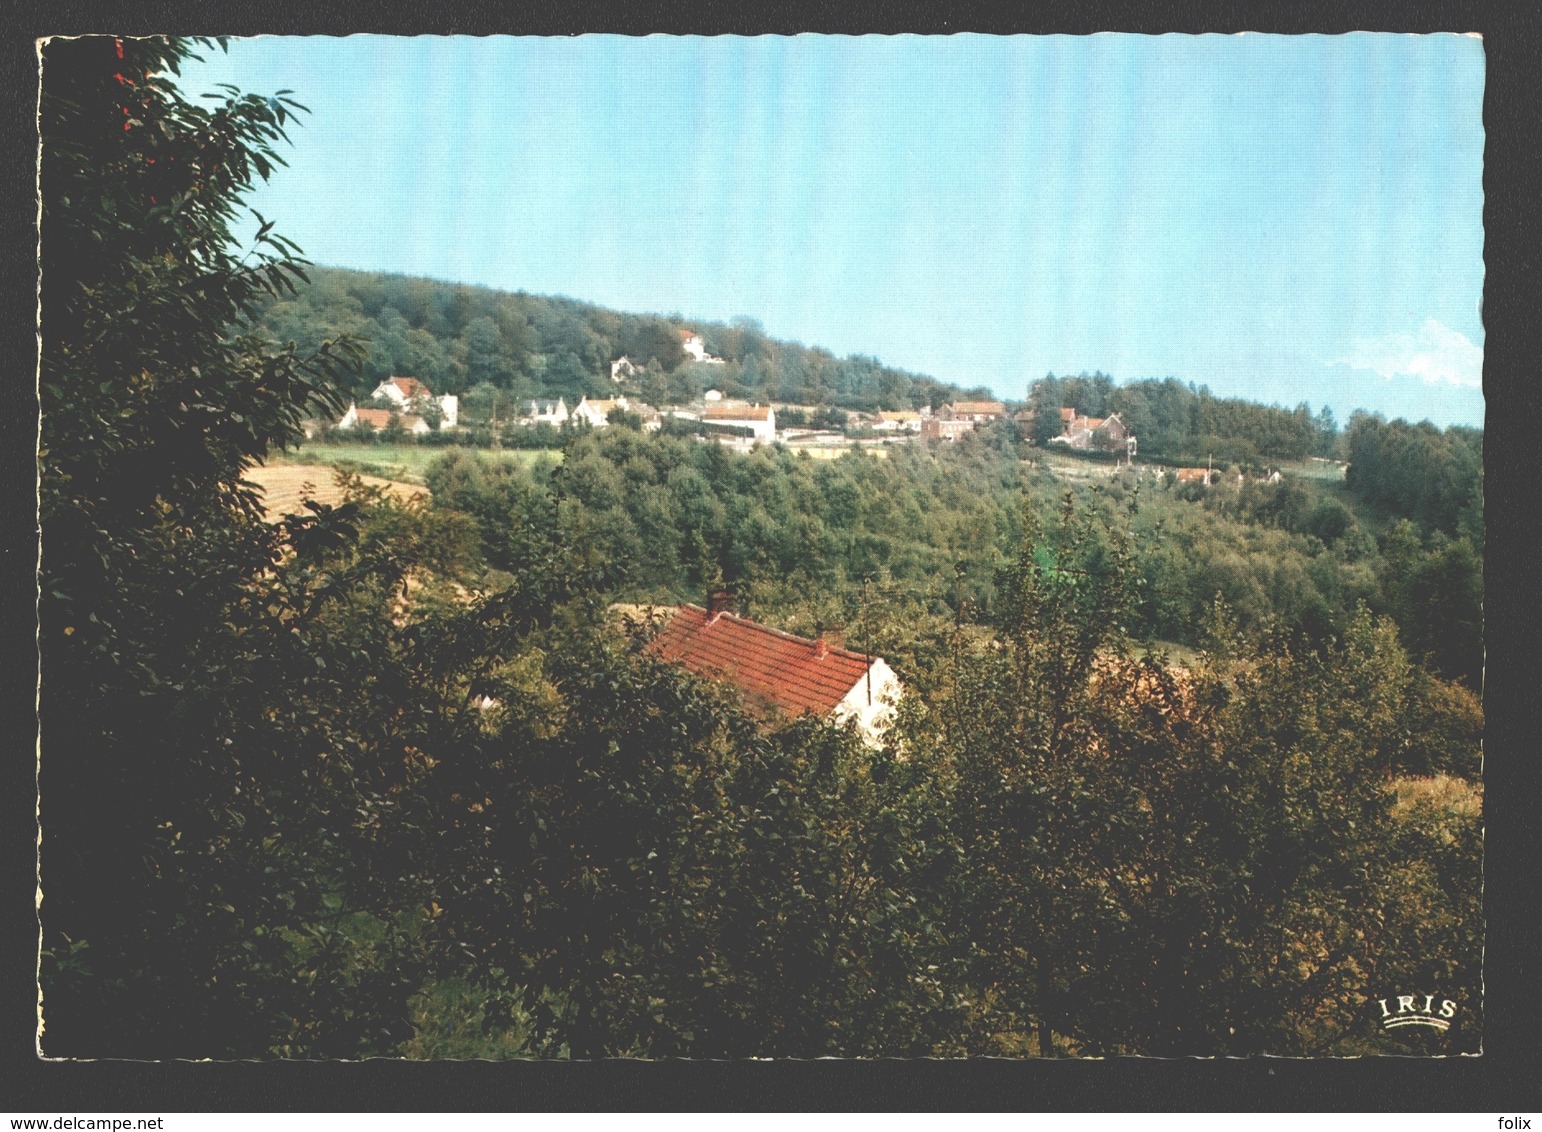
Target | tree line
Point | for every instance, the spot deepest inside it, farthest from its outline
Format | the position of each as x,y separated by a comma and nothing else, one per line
480,342
1185,423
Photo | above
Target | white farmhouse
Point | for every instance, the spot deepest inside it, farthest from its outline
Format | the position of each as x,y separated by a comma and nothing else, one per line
781,676
759,419
411,394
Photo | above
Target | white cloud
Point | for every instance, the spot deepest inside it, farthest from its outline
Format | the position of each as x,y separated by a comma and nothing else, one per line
1437,353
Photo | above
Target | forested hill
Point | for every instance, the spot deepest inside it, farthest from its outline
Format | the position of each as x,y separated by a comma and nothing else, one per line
473,340
456,337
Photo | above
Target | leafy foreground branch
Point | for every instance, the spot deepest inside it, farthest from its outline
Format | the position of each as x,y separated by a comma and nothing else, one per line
330,787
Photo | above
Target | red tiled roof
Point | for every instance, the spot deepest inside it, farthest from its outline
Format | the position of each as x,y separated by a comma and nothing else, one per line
376,418
411,387
776,670
979,407
738,413
1067,415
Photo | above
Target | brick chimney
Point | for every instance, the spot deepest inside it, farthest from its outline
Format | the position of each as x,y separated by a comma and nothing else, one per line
719,601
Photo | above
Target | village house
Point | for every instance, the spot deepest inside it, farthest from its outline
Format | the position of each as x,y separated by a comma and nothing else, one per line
952,421
939,427
378,420
760,419
625,367
652,419
696,349
1085,434
554,413
781,676
976,412
596,413
897,420
411,394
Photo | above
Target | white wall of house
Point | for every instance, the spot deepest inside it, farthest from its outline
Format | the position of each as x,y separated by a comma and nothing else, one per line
874,713
589,414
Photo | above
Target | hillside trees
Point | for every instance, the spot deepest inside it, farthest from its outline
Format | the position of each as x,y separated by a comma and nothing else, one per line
547,346
1178,862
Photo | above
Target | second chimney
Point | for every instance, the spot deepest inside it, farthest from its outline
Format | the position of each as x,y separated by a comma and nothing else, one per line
719,601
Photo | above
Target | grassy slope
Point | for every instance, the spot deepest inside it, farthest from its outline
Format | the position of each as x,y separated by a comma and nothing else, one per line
404,463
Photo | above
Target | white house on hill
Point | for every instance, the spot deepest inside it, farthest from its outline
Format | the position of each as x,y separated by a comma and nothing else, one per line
696,349
625,367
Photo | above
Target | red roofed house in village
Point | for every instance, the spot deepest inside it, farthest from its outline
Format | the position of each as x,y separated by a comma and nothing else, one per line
380,419
412,394
780,675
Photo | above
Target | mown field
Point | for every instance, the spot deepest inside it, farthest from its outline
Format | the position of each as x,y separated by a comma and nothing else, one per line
402,463
284,485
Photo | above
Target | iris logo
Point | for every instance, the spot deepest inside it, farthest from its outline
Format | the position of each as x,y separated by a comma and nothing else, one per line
1417,1010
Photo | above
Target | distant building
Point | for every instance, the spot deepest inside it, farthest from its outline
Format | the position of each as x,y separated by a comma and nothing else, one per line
976,412
760,419
952,421
713,395
378,420
898,420
596,413
625,367
1104,434
554,413
781,676
696,349
410,393
944,428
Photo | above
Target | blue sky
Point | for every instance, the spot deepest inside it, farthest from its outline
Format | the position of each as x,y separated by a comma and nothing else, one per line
1280,218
